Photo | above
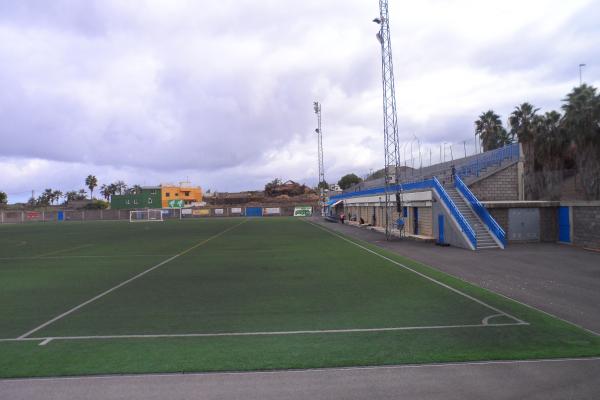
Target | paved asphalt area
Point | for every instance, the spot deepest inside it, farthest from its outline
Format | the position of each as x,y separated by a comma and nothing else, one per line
557,279
491,381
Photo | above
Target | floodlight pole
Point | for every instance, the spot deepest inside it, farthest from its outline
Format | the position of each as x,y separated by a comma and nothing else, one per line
319,131
390,120
580,74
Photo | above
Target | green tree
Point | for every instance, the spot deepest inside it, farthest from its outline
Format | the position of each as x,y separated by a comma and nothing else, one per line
582,124
524,125
323,185
56,195
550,145
105,192
71,195
119,187
91,182
490,130
348,180
3,198
269,187
135,189
45,198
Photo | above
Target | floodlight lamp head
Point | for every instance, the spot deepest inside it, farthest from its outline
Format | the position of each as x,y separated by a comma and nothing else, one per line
378,35
317,130
377,21
317,106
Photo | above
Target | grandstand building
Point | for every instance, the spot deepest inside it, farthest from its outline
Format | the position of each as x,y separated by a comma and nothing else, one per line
472,209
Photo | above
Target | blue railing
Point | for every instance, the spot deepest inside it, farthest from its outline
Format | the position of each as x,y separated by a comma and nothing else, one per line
481,211
426,184
466,228
488,159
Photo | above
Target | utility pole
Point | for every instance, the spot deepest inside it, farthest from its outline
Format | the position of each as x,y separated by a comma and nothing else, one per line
580,74
391,141
317,108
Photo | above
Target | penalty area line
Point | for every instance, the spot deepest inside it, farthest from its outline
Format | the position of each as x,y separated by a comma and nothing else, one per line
46,340
518,321
168,260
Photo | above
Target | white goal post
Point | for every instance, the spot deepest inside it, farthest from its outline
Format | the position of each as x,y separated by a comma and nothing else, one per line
148,215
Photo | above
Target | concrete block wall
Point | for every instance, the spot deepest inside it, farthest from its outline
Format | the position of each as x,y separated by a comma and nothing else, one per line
501,217
549,224
586,226
452,234
500,186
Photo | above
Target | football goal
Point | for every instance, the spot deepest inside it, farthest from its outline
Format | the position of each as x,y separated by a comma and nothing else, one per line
145,215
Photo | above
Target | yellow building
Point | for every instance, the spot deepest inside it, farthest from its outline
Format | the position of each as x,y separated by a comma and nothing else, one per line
184,191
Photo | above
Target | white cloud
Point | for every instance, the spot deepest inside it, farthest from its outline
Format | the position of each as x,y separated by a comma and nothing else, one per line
222,92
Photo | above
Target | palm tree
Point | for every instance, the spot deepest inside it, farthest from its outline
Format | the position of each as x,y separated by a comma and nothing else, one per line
47,197
71,195
105,192
135,189
56,195
490,131
582,124
550,144
91,182
522,123
120,187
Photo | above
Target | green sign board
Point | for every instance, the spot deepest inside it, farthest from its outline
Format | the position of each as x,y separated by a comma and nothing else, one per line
302,211
175,203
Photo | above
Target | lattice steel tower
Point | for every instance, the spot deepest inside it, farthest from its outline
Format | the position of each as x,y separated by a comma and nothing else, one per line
317,107
391,141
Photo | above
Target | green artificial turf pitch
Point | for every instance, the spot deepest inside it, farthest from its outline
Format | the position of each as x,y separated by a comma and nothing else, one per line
243,294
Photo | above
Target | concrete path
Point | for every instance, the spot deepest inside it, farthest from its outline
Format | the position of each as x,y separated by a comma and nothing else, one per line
559,279
543,380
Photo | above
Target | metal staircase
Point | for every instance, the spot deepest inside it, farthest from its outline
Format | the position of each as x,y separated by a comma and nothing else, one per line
484,238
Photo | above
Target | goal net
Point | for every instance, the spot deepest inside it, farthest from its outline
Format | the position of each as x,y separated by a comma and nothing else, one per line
145,215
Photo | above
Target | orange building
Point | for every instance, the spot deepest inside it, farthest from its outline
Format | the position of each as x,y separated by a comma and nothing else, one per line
184,192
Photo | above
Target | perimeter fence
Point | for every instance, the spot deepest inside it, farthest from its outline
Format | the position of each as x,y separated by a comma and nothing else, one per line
27,216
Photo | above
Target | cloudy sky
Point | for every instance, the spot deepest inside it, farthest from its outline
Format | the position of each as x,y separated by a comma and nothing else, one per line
221,92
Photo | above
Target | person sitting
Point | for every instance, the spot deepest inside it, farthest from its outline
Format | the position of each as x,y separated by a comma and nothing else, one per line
400,224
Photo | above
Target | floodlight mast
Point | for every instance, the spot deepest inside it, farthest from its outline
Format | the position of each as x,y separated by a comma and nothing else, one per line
317,108
390,120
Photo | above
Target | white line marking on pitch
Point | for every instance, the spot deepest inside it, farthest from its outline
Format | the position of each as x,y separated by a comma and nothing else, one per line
486,320
519,322
538,309
62,250
266,333
45,341
168,260
82,256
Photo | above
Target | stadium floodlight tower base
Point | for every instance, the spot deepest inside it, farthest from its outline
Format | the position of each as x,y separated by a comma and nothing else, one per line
393,185
145,216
